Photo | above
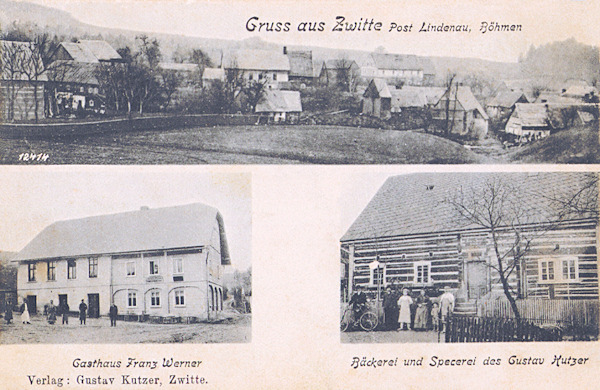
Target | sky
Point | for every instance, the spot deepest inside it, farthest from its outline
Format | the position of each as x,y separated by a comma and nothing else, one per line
542,21
32,199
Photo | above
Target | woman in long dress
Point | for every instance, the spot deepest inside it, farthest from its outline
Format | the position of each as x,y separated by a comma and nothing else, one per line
422,314
404,304
25,314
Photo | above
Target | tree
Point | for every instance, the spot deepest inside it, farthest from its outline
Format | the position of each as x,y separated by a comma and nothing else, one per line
254,90
504,210
451,88
347,74
12,58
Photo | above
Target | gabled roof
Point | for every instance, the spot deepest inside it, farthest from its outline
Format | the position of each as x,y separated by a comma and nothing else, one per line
378,88
406,98
177,67
253,59
430,94
467,100
101,50
274,100
142,230
531,115
580,91
417,203
22,61
90,51
301,63
340,63
507,99
402,62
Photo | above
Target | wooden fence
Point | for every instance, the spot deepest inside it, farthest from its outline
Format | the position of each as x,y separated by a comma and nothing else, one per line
480,329
578,313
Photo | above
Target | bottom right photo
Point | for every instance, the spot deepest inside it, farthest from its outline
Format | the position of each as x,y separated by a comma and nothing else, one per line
472,257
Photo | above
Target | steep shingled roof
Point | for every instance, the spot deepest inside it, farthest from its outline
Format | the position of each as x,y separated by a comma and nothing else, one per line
507,99
465,97
18,59
301,63
101,50
142,230
416,203
275,100
531,115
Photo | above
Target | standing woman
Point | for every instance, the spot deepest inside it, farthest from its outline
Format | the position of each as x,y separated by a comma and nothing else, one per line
8,313
404,303
25,313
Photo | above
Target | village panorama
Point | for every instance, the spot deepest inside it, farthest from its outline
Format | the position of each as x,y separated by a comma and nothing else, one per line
77,93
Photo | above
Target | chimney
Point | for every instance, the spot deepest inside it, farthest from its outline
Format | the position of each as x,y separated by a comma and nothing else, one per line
285,50
144,208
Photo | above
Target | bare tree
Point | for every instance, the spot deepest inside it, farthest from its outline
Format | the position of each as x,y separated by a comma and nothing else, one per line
507,214
347,74
12,58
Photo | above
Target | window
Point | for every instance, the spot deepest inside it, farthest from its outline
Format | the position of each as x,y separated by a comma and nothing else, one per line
93,267
51,270
130,268
155,298
31,272
71,269
274,76
153,267
178,266
179,298
378,276
423,272
250,76
558,270
131,299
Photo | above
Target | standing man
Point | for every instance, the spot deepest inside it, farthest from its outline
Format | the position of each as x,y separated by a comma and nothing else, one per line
82,312
8,313
446,306
113,314
65,313
390,309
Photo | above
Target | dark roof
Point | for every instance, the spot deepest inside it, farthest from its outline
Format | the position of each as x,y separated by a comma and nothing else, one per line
91,51
416,203
531,115
24,61
378,88
467,100
301,63
74,72
142,230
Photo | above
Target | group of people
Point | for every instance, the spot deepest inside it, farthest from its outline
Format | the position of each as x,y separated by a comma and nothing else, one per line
405,312
51,311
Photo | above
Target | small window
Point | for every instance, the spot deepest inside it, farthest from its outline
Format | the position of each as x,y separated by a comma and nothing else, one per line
569,269
378,276
423,272
178,266
547,270
31,272
155,298
274,76
93,267
71,269
91,103
250,76
153,267
179,298
131,268
51,270
558,270
131,299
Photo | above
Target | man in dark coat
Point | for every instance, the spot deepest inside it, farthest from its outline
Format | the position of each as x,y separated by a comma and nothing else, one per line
65,313
113,314
8,314
82,312
358,303
390,309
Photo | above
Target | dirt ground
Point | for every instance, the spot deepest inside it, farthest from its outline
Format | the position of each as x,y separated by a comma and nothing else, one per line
391,337
98,331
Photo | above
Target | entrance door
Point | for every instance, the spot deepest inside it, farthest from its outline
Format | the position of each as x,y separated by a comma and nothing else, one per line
62,302
32,304
476,279
93,305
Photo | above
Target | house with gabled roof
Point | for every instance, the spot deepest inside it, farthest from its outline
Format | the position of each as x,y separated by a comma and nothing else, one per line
409,69
458,112
301,66
529,121
268,66
504,102
419,242
152,263
280,106
88,51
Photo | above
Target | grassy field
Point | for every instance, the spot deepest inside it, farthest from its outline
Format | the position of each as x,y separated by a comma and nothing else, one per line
98,331
248,145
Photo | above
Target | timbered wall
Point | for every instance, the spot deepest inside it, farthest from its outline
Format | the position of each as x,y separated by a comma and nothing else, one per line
448,258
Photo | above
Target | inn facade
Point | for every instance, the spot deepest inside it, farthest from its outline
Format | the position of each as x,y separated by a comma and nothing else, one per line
152,263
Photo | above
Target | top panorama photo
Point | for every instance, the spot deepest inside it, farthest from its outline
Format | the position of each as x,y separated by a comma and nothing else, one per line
91,83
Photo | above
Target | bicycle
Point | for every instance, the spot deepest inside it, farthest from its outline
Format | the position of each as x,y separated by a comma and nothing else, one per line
368,320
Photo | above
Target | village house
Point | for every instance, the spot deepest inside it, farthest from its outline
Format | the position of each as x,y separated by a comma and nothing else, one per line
406,69
301,67
21,81
342,73
212,75
410,236
280,106
528,122
459,112
501,106
265,66
90,51
152,263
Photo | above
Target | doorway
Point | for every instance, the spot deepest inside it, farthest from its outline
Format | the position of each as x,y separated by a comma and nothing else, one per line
93,305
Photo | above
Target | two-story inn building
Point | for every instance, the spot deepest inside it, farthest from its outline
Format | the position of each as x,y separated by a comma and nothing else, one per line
152,263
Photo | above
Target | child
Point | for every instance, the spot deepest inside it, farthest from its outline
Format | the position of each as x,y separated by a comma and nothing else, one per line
435,316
